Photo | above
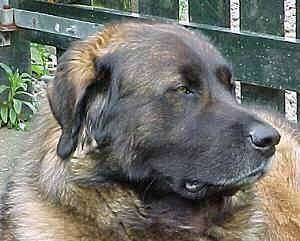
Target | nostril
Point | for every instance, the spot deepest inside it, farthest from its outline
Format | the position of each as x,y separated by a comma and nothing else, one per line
261,142
264,136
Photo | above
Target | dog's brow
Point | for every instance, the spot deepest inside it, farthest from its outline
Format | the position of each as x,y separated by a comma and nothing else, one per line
191,75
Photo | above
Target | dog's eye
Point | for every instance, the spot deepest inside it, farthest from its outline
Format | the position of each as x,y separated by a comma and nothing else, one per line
183,89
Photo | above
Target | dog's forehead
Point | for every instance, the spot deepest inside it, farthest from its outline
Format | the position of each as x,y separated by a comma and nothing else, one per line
163,49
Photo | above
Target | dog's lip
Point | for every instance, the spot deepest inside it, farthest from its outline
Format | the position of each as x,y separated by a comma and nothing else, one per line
194,186
198,189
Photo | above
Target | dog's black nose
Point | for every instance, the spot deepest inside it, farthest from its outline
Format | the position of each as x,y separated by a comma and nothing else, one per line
264,136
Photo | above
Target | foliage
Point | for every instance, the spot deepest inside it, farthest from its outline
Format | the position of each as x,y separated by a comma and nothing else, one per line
15,98
39,59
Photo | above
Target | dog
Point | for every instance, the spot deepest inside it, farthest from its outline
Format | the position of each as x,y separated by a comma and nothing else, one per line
142,139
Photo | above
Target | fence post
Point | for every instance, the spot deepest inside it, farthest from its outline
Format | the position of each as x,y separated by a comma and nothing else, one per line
213,12
123,5
256,16
298,37
18,53
161,8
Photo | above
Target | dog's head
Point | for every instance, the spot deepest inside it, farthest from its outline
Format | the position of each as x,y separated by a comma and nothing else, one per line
158,101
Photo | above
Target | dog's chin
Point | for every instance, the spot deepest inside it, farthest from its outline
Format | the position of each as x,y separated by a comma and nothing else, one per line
197,190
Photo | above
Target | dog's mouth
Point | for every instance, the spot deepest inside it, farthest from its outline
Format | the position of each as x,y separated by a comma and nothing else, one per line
199,189
196,189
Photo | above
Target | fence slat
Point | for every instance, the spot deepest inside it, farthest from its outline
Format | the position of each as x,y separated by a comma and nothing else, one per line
270,62
298,106
89,14
56,40
161,8
17,55
214,12
264,16
263,96
298,18
298,36
125,5
85,2
256,58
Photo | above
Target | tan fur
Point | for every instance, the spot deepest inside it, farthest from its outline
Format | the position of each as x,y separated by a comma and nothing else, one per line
81,213
81,66
43,203
279,191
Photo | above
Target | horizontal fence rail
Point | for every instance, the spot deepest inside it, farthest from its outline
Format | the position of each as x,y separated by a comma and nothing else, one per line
54,24
263,60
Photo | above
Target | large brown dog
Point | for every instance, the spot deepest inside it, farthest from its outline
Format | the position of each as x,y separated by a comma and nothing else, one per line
145,142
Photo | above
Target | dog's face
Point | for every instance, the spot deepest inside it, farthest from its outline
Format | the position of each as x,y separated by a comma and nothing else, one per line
162,109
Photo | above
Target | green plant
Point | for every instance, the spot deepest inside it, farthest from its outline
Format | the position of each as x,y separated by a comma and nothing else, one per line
14,96
39,59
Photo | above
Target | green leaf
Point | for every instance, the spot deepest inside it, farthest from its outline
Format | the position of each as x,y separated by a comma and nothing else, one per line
17,106
22,87
4,113
30,105
6,68
3,88
13,80
12,116
36,55
26,80
24,93
26,77
37,69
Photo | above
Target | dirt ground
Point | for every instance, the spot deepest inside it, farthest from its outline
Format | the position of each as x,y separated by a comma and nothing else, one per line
10,143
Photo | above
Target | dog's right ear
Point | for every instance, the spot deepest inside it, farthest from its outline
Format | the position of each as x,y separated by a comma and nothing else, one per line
79,68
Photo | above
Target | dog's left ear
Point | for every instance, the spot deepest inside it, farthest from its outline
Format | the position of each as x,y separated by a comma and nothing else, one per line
77,71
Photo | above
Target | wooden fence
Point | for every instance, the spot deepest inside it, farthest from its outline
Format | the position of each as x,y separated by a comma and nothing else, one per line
263,60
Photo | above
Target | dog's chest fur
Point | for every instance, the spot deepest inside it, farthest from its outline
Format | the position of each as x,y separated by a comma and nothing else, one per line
113,212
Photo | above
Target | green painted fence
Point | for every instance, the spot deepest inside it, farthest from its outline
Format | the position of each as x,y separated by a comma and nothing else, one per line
263,60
